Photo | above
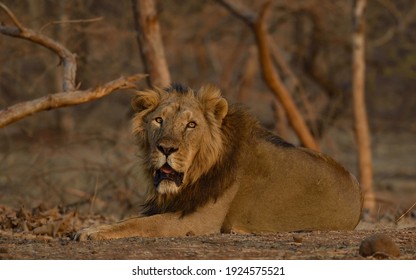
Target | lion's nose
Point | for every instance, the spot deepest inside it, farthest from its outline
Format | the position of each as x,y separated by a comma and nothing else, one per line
167,150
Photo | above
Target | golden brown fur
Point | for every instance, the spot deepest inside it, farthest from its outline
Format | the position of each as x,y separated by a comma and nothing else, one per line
210,167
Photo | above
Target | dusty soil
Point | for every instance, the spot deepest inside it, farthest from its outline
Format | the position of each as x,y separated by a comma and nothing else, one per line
304,245
46,233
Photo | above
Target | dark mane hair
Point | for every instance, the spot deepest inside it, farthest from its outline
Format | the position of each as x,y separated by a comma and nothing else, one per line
272,138
178,87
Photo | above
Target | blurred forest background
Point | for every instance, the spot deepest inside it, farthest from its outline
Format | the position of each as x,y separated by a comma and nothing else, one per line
84,156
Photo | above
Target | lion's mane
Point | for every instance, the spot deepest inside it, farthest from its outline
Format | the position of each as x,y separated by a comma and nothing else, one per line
237,133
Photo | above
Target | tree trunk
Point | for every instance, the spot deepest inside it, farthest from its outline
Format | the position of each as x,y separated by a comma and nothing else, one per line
361,122
150,42
65,122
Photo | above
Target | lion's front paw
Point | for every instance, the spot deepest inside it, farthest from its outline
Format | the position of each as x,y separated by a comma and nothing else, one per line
94,233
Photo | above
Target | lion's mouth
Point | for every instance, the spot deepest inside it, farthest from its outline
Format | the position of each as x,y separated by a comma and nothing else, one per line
166,172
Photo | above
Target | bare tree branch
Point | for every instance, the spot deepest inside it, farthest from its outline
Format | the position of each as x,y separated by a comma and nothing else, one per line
403,22
313,67
276,85
71,21
64,99
70,96
273,81
67,57
239,11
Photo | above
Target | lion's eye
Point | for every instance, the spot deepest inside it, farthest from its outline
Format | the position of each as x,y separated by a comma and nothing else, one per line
159,120
191,125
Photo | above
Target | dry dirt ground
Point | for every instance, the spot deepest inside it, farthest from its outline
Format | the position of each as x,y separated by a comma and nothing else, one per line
46,234
306,245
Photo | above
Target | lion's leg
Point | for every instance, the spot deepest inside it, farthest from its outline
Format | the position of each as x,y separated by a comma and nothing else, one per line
206,220
158,225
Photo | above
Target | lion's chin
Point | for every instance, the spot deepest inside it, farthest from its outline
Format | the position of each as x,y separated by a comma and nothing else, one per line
167,180
167,187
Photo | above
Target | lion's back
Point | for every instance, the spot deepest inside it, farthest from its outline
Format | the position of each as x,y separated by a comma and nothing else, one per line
285,188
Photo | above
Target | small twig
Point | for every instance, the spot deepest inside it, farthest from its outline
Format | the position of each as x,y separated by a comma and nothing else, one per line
406,212
239,11
64,99
12,16
69,21
93,197
403,22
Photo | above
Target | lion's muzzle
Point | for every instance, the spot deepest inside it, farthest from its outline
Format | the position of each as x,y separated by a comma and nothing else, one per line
166,150
166,172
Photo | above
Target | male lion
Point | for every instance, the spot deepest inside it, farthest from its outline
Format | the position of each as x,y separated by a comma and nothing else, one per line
212,168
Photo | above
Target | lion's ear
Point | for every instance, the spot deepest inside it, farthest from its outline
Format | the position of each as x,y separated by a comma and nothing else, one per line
146,100
211,99
143,103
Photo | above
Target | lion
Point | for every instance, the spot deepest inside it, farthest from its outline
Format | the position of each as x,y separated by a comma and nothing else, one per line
211,168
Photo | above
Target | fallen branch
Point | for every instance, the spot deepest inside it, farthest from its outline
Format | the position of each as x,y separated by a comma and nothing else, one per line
68,58
64,99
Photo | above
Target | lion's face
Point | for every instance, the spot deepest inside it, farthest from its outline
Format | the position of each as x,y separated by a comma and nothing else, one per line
180,134
174,129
